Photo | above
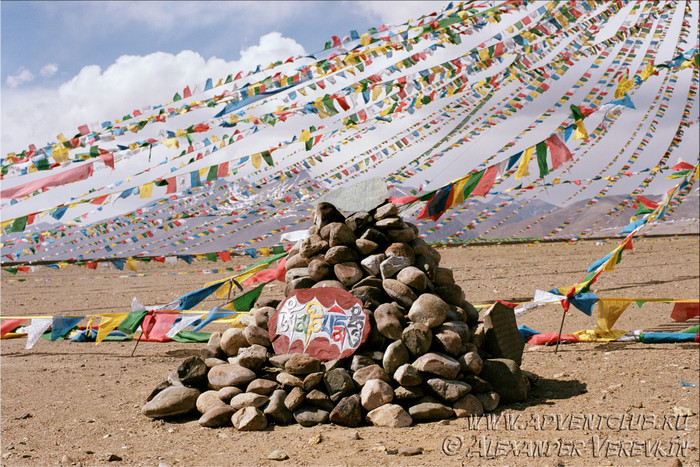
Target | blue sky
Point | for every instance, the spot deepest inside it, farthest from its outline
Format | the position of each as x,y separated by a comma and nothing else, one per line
57,55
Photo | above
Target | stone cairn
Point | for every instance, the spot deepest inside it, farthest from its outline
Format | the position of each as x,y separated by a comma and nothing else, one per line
427,356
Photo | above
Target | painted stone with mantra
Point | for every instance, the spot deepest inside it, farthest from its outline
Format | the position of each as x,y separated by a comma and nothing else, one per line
327,323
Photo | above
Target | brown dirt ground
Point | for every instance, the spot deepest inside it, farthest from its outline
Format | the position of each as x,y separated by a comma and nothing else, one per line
66,403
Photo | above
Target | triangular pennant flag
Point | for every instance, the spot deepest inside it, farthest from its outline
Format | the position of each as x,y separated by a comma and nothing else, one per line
185,320
609,310
246,301
108,323
156,325
34,331
61,325
133,320
213,315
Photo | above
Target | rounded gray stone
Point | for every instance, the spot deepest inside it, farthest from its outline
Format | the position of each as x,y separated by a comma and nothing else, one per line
229,375
171,401
428,309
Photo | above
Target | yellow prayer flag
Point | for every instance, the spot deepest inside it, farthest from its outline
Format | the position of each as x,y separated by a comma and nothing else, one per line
580,132
171,143
146,190
609,310
256,160
610,264
108,323
687,64
226,284
561,18
60,155
528,35
265,251
365,39
132,264
623,86
305,136
458,197
523,169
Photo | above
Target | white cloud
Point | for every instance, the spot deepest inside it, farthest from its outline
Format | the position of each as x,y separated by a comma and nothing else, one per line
37,115
399,12
48,70
23,76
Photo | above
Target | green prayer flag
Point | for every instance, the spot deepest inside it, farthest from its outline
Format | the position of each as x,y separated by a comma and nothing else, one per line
541,149
267,157
132,321
212,174
576,111
19,224
246,301
473,181
188,337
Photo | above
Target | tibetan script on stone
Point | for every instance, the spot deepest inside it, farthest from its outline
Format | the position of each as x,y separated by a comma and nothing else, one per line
326,323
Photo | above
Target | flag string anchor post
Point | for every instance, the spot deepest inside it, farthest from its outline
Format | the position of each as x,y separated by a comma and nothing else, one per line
561,327
137,343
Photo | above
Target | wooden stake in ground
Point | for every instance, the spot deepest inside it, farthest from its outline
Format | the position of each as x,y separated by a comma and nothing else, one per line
560,329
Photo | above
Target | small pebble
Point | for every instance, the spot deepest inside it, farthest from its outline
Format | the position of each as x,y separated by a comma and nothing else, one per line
278,455
413,451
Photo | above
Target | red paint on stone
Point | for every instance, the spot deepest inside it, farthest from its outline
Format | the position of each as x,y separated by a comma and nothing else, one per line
326,323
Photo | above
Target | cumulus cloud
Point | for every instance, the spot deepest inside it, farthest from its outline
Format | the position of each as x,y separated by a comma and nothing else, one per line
36,115
23,76
48,70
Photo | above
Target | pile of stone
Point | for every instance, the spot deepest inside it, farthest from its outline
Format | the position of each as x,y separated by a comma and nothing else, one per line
427,356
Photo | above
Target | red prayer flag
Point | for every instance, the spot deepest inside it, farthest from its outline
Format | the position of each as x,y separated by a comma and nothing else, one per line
156,325
172,186
224,256
108,159
486,182
685,311
268,275
682,166
558,150
9,325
